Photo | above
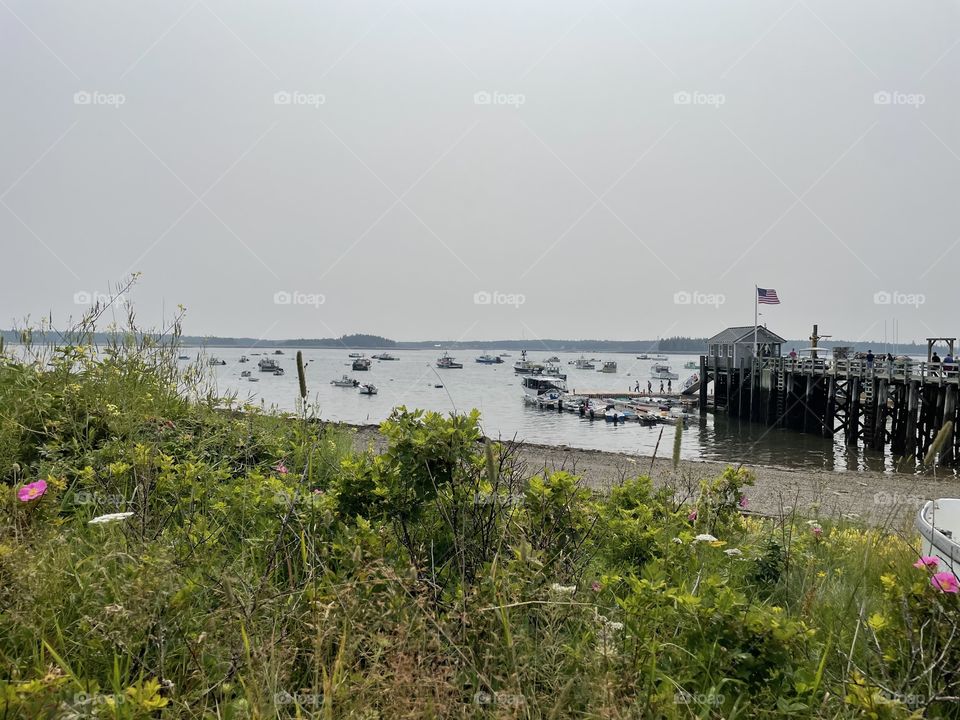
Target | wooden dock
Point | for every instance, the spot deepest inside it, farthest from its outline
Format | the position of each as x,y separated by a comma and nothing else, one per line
600,394
900,404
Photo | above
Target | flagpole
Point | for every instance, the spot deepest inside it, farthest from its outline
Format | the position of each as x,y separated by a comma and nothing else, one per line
756,293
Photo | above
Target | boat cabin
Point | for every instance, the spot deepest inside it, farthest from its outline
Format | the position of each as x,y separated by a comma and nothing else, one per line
736,343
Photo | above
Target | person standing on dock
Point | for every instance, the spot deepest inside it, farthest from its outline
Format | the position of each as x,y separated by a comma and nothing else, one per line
636,389
793,353
870,358
661,386
649,388
669,385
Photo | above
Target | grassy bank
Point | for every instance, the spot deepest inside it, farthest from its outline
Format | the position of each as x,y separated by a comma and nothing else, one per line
160,557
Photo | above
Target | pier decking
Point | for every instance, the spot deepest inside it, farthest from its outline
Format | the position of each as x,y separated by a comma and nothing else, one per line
900,404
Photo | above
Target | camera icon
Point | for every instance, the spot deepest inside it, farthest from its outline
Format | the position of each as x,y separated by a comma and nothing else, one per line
682,98
482,298
82,98
282,98
282,297
482,698
482,98
882,97
682,298
82,297
882,297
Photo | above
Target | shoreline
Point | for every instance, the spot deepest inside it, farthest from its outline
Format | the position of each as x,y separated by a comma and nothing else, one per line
874,497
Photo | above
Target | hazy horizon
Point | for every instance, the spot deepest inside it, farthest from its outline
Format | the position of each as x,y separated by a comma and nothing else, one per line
597,169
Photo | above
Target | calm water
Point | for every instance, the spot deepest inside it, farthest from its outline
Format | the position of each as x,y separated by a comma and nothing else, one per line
495,391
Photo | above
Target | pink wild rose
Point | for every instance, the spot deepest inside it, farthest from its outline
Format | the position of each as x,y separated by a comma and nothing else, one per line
692,517
743,501
927,561
945,582
32,491
281,468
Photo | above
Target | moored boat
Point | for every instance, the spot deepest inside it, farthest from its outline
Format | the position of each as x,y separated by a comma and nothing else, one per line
939,525
243,359
581,363
690,365
487,359
609,366
536,385
368,389
361,364
267,365
385,356
661,371
345,382
447,362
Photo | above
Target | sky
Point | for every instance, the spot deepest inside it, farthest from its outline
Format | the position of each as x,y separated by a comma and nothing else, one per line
427,170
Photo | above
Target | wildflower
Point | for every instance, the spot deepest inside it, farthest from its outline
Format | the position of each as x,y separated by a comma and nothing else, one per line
945,582
281,468
888,581
733,552
692,517
109,518
32,491
677,540
563,589
927,561
705,537
743,501
817,531
596,586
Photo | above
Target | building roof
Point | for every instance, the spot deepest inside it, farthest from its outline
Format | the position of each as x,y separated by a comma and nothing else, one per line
744,333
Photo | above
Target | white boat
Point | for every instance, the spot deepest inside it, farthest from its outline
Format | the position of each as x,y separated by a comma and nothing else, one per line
581,363
361,364
536,385
253,379
524,366
243,359
246,373
445,361
553,359
487,359
643,356
355,355
660,357
267,365
939,525
610,366
278,371
690,365
345,382
550,370
368,389
662,372
385,356
216,361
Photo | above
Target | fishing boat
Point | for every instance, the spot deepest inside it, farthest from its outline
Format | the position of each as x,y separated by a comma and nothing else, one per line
246,373
361,364
243,359
447,362
553,359
183,357
487,359
939,525
581,363
643,356
253,379
278,371
355,355
690,365
551,370
267,365
610,366
345,382
503,355
536,385
278,352
368,389
385,356
216,361
660,357
524,366
662,372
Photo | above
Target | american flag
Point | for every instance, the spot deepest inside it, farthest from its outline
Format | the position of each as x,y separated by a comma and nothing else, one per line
767,297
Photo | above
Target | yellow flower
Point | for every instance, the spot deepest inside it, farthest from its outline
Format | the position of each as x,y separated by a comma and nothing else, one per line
888,581
877,622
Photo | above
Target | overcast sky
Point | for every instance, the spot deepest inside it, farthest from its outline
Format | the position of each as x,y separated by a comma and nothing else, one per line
605,169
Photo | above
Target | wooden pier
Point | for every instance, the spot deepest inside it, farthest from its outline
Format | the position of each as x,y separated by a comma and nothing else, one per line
898,405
